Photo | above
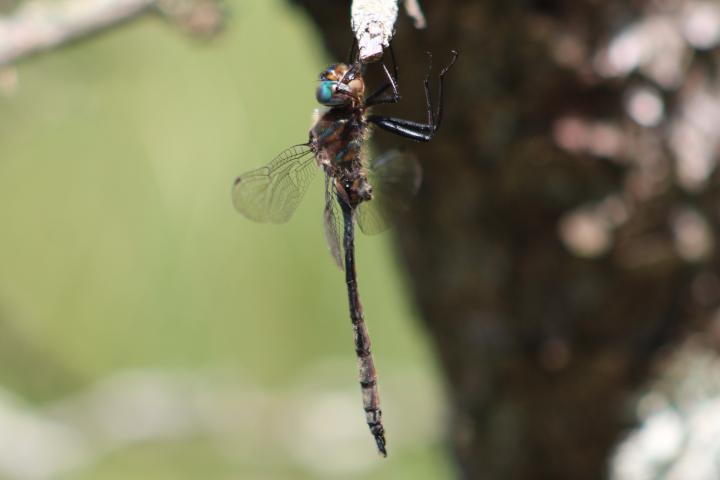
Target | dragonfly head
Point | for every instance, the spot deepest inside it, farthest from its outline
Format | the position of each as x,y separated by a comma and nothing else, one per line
328,94
339,85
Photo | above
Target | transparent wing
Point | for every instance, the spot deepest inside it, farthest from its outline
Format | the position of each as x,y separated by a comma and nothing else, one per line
332,220
395,178
273,192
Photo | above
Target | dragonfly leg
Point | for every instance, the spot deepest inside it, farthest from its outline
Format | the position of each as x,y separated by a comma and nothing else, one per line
395,67
375,98
413,130
353,51
404,128
392,81
437,118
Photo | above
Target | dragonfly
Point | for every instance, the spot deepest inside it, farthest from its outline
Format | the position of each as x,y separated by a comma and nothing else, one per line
357,191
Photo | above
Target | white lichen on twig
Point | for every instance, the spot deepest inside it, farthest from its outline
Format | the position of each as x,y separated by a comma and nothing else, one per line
373,23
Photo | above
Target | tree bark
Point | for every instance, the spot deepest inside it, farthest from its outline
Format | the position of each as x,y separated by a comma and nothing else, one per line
558,242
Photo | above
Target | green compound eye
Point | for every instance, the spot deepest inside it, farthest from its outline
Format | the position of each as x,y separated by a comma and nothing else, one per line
325,94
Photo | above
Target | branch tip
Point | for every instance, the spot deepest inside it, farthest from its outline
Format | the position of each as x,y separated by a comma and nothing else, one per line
373,22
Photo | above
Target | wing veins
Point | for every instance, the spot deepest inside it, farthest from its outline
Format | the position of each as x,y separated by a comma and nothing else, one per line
272,193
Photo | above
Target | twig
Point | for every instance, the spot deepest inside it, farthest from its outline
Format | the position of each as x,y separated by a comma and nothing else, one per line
41,25
373,22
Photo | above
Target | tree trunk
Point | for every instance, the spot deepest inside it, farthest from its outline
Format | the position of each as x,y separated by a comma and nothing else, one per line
564,231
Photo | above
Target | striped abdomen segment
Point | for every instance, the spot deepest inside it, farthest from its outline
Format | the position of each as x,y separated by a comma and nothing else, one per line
368,380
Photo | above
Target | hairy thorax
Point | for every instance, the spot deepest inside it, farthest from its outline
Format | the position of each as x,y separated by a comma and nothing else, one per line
337,138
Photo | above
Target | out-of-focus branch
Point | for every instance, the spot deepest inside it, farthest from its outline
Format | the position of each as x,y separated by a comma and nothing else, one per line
412,8
40,25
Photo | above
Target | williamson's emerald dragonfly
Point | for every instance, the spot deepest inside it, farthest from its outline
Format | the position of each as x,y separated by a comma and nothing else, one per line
369,193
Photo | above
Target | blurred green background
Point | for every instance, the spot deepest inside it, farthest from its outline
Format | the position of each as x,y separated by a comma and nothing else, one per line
147,330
